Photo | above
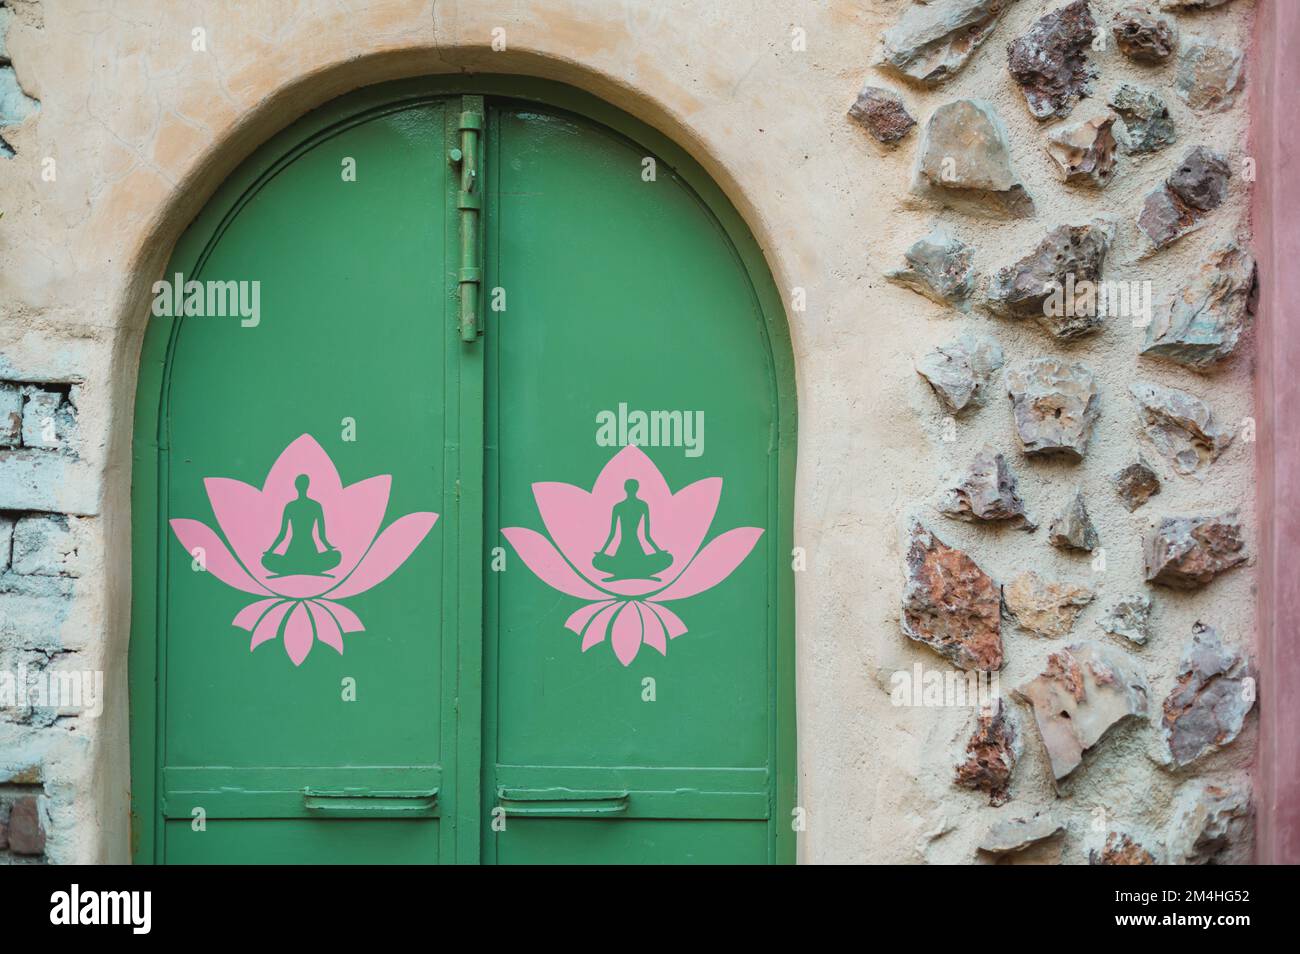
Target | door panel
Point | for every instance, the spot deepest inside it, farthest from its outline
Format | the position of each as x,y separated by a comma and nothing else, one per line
621,291
351,329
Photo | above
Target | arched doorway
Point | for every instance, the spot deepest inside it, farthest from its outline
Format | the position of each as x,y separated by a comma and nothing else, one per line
463,485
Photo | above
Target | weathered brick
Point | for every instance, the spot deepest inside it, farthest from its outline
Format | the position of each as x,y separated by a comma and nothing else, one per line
11,415
6,541
54,483
49,420
46,545
26,833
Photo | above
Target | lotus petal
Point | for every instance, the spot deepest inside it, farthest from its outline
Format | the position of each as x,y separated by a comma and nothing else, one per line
548,563
218,559
386,554
714,564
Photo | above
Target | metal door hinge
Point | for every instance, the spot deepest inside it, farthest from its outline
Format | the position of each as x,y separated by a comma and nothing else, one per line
467,157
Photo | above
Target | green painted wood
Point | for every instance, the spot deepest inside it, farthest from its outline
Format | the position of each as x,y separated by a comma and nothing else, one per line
363,289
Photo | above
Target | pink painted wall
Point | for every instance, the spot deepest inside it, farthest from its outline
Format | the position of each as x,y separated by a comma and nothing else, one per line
1275,210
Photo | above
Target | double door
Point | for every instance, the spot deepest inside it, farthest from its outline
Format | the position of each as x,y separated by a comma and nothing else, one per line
458,537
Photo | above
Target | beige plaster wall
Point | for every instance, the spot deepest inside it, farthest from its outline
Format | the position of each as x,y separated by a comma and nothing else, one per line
142,128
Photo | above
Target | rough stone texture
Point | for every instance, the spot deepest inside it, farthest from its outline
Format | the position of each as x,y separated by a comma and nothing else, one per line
1146,124
1072,528
1054,406
46,545
991,754
950,604
986,492
963,160
26,831
932,41
938,267
1197,187
1016,834
1180,426
959,372
1188,552
1054,284
11,415
1121,849
1142,36
1136,484
1208,706
1044,607
1207,315
1209,74
1130,618
1050,62
881,112
1211,823
1083,692
1085,151
1191,4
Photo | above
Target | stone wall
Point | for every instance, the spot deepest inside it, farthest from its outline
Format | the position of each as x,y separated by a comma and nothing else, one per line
944,411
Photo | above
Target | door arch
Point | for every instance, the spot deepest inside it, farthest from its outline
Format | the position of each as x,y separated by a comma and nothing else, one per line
627,284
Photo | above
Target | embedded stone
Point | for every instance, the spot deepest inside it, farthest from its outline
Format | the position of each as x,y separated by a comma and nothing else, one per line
1191,4
1054,406
26,832
1016,834
938,267
991,754
1211,822
1083,692
1201,179
1120,849
1056,283
1147,125
1142,36
950,604
1197,187
1085,151
1180,425
1050,62
1208,706
932,41
1208,314
1136,484
1130,618
1188,552
882,113
1043,607
959,372
1209,74
1072,528
964,161
986,492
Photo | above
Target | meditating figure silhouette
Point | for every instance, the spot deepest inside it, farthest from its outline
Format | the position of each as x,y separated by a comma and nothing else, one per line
630,561
303,516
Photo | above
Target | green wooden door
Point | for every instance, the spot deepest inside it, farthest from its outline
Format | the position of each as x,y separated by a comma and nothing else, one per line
629,319
370,620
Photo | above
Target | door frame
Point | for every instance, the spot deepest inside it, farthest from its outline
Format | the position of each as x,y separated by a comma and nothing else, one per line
153,384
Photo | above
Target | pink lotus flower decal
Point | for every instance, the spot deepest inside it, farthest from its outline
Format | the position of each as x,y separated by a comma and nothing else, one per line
303,542
627,547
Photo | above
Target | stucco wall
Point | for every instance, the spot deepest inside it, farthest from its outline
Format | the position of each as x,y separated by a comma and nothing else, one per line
135,128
